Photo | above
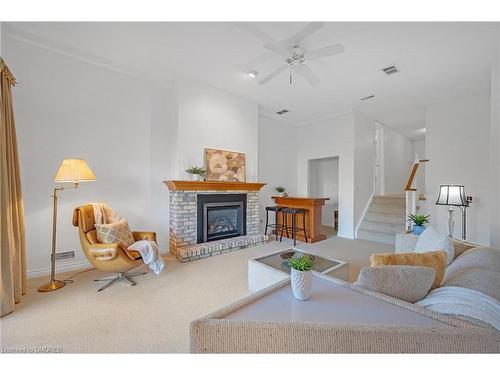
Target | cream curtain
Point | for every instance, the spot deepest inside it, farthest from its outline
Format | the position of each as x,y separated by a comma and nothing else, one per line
13,258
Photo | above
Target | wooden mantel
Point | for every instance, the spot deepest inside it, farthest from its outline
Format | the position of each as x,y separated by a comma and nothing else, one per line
183,185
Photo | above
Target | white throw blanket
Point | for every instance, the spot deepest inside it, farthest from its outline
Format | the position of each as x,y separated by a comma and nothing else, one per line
150,254
454,300
103,214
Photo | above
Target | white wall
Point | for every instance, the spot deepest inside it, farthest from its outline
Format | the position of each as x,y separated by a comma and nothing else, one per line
331,137
277,160
67,108
495,151
211,118
418,147
133,133
456,134
324,183
364,164
397,156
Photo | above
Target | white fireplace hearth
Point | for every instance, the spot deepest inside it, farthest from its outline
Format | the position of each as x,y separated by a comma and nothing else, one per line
192,203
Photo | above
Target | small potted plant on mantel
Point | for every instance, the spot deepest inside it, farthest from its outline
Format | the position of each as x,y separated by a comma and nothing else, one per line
418,223
281,191
196,173
301,276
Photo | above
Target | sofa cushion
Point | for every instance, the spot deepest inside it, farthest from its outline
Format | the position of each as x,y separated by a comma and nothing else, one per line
460,246
117,232
430,240
433,259
480,279
407,283
480,256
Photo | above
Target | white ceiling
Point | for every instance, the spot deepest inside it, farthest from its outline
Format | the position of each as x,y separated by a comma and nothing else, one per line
437,61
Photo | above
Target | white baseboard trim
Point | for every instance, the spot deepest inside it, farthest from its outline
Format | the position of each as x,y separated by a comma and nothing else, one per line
61,267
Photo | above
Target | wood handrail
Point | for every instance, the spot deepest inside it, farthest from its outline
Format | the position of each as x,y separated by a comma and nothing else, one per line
412,175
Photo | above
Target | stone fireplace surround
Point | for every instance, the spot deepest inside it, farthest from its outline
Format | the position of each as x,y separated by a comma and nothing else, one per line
183,231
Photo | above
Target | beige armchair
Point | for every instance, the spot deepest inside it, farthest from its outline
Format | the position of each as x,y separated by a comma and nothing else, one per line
108,257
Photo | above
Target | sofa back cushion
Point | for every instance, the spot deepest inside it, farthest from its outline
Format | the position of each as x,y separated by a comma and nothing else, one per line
407,283
480,256
480,279
460,246
430,240
434,259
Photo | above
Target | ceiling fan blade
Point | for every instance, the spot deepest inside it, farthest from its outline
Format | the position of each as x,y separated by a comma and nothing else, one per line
273,74
326,51
309,29
278,48
308,74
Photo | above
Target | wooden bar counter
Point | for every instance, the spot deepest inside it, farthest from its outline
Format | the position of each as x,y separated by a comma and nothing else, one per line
313,207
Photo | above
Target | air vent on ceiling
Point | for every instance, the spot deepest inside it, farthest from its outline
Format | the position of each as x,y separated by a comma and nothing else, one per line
390,70
282,112
368,97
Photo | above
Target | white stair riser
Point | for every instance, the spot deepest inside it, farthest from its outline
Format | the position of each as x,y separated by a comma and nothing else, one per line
382,227
386,208
385,218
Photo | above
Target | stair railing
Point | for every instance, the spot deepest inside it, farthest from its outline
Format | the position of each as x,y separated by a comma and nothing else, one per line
412,193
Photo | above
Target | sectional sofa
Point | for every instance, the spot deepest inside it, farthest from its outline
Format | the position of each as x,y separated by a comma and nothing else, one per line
416,330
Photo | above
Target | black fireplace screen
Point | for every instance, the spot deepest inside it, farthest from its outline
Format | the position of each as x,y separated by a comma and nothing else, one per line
221,216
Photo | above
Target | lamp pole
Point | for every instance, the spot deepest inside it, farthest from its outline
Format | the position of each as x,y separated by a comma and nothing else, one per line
54,284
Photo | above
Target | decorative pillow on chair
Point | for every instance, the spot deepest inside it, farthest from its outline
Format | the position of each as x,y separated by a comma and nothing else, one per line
430,240
407,283
117,232
433,259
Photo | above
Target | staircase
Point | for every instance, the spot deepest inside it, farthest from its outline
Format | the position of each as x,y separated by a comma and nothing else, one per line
385,217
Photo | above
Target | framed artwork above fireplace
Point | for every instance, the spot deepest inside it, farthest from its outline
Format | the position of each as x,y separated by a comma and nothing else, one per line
224,165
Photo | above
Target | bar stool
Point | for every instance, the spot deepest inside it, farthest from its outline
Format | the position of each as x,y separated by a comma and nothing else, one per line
274,226
294,212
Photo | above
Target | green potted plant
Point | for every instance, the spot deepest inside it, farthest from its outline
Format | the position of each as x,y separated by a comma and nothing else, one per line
196,173
418,222
301,276
281,191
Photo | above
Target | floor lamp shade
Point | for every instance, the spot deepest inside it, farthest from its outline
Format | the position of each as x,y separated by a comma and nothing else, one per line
452,195
75,171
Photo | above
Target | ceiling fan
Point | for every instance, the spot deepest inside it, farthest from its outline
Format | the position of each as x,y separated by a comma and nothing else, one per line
295,56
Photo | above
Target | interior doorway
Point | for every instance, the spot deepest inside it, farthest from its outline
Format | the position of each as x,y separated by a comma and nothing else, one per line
324,183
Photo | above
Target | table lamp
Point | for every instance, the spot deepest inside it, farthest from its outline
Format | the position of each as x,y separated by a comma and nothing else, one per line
454,195
73,171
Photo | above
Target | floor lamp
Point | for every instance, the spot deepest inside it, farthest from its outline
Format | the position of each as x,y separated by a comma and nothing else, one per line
73,171
454,195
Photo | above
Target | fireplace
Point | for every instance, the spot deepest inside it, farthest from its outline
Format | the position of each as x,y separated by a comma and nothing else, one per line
220,216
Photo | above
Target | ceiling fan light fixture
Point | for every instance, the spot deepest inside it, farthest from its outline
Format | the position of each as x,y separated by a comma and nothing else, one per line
252,73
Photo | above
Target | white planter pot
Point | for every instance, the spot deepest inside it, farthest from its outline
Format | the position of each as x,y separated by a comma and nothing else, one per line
195,177
301,284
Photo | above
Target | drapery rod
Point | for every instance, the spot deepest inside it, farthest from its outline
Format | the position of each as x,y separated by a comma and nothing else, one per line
5,71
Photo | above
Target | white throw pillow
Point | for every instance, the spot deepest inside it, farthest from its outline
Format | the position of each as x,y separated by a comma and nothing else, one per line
430,240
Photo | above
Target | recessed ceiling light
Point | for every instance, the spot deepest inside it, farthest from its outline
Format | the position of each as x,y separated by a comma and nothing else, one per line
252,74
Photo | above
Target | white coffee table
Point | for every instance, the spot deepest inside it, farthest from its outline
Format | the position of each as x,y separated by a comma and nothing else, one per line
270,269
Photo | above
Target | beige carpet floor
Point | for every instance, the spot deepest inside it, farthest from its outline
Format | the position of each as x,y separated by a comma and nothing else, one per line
154,315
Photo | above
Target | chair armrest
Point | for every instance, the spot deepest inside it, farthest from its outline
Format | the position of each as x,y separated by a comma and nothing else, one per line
405,242
149,236
104,251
